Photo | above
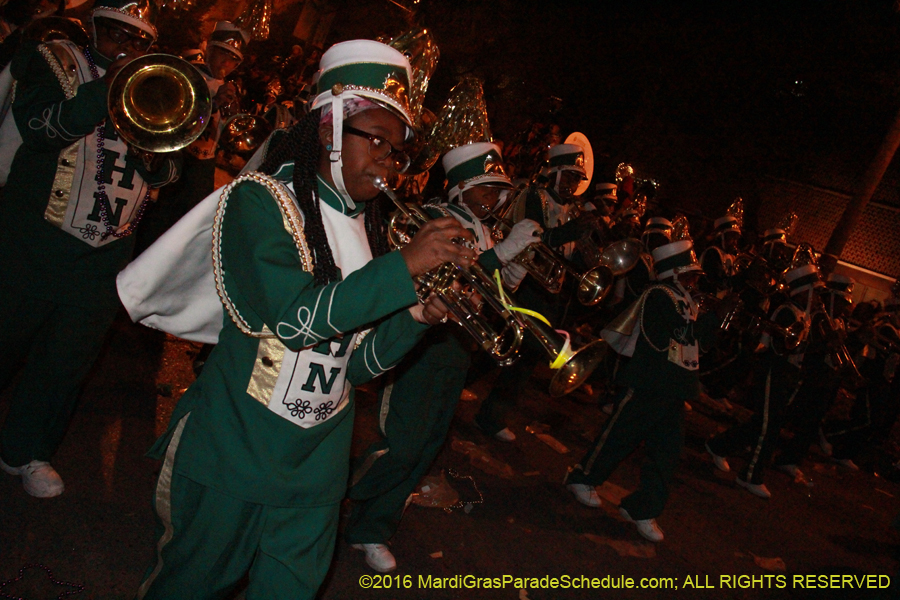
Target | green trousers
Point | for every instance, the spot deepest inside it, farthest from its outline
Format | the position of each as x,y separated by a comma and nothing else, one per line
640,416
416,410
54,345
208,542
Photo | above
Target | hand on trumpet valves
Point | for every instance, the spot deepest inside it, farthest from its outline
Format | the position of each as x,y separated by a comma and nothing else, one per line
437,242
432,311
523,234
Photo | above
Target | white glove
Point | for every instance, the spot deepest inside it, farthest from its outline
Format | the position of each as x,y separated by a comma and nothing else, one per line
523,234
513,274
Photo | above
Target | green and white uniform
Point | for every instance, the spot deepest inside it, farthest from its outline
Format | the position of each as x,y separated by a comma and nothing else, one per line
57,289
258,448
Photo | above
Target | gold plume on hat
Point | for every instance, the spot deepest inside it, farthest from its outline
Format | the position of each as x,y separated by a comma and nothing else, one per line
736,210
418,46
788,223
256,19
681,229
624,170
804,255
462,120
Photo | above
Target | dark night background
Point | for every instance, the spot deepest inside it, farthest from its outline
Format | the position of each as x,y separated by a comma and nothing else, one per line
704,97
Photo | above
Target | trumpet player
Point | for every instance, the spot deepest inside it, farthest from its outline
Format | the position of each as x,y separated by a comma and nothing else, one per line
776,381
74,195
257,453
419,398
664,336
718,259
823,372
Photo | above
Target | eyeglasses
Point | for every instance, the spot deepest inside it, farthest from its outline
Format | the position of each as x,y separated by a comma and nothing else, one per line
121,37
380,149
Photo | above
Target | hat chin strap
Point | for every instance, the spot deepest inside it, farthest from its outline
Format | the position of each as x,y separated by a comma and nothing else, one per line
337,138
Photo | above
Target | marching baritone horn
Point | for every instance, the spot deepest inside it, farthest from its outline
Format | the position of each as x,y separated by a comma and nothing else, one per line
572,367
159,103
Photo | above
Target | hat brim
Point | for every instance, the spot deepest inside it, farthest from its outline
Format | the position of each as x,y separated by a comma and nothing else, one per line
122,17
382,100
227,48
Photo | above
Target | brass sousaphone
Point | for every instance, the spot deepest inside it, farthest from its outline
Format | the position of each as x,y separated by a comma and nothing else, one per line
159,103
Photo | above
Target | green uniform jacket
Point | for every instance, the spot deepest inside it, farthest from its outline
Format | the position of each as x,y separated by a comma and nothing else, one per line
47,262
234,443
650,369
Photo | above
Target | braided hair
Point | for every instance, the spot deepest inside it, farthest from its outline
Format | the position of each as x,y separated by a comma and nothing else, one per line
301,144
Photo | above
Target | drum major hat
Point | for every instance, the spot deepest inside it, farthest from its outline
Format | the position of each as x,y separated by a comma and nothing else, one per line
566,157
675,258
137,13
230,37
479,163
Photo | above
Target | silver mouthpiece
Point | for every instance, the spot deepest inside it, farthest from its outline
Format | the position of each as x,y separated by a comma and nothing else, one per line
120,55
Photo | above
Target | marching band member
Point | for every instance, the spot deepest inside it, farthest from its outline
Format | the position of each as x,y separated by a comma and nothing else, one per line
418,401
822,377
665,334
257,451
74,195
776,381
718,260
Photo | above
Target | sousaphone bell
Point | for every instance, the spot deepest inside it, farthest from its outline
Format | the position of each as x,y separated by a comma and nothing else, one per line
159,103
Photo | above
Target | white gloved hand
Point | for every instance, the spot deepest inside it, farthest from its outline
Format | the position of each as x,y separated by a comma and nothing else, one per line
513,274
523,234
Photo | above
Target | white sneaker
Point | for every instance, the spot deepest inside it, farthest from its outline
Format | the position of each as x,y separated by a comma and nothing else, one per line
720,461
39,478
378,557
648,528
757,490
505,435
584,493
847,463
792,470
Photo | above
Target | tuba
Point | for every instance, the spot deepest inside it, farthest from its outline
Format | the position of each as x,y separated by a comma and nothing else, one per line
572,367
159,103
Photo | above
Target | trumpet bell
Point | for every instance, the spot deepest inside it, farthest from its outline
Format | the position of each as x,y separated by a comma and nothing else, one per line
621,256
595,285
568,378
159,103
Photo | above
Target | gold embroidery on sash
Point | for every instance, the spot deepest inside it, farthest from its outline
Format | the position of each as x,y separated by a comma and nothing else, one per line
293,223
266,367
62,185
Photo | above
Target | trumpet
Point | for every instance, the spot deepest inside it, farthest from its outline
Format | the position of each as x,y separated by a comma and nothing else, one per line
708,302
791,336
572,366
840,357
549,268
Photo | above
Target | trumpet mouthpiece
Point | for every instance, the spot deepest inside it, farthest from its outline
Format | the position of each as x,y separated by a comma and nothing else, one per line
120,55
381,184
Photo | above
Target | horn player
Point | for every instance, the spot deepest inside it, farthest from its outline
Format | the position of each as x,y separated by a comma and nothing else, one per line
421,397
73,197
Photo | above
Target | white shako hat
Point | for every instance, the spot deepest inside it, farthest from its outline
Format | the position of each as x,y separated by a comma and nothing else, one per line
802,278
840,285
606,191
566,157
774,236
193,55
725,224
230,37
361,69
140,14
478,163
658,225
675,258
